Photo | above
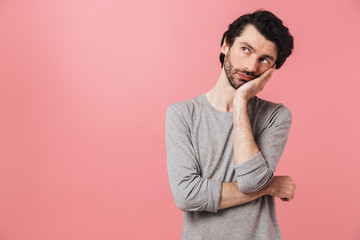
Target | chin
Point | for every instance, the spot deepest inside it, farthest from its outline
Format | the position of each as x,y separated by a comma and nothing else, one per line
240,83
236,87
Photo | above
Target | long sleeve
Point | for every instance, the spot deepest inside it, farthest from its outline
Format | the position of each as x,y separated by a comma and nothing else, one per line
256,172
191,192
200,157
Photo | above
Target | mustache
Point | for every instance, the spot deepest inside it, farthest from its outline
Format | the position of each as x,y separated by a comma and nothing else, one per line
251,74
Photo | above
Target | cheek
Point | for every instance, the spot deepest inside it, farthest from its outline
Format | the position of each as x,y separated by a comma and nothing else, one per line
238,59
239,55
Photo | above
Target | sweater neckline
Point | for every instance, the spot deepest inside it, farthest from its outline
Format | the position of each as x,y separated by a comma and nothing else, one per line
229,113
211,107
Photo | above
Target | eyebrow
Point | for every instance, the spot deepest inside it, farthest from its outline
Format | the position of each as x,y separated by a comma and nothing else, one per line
254,50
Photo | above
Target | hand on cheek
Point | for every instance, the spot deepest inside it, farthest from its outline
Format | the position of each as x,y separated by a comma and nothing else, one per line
253,87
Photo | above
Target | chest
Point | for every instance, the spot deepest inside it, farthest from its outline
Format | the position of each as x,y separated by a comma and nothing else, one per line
213,145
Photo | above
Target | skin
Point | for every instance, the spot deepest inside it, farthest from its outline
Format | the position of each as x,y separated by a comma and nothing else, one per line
253,56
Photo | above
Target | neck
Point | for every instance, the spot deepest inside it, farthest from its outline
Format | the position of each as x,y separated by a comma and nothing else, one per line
222,94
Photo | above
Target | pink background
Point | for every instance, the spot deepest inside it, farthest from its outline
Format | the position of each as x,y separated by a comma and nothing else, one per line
84,87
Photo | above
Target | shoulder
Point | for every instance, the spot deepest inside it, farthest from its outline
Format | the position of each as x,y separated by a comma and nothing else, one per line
180,114
184,108
271,112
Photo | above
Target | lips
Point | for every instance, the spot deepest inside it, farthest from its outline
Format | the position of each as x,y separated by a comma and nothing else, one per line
244,77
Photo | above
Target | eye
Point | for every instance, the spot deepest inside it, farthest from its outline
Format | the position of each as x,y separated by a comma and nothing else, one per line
245,49
264,60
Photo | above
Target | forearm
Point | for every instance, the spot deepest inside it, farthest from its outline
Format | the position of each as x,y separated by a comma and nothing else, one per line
244,143
251,168
232,196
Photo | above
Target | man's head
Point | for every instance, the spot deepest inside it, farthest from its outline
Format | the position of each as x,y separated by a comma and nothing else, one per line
269,26
252,44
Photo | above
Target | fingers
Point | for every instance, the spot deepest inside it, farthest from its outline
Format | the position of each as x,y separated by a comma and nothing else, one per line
265,77
253,87
267,74
291,186
283,187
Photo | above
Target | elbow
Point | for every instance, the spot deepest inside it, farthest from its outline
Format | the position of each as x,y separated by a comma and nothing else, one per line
245,186
253,174
182,204
254,181
187,205
198,194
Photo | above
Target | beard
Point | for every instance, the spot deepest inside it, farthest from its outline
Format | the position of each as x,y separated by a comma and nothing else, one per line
230,71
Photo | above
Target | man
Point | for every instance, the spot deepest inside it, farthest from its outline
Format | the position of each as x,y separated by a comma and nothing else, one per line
223,146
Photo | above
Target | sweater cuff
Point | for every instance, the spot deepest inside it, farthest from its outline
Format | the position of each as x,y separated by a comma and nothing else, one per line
253,174
250,165
214,193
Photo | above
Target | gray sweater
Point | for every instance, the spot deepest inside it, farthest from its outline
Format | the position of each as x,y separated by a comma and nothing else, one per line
199,144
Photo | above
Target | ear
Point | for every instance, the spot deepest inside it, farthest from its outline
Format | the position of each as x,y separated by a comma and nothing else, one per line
225,48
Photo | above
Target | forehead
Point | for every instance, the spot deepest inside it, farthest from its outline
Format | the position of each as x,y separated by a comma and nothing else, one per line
253,37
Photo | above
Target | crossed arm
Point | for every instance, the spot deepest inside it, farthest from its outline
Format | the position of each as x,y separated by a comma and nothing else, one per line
280,186
245,148
254,174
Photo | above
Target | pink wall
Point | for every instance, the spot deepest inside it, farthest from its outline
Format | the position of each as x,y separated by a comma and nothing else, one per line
84,87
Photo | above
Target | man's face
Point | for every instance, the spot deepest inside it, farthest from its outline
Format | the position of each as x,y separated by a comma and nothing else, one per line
249,56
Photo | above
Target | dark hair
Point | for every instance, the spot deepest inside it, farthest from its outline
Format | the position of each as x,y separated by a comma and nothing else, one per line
268,25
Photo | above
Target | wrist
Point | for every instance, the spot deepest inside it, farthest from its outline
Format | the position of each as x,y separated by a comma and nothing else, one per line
240,102
240,98
268,190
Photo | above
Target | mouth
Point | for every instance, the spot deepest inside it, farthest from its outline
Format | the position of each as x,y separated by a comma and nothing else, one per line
245,78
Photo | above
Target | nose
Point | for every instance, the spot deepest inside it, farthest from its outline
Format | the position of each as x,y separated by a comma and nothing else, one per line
251,64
